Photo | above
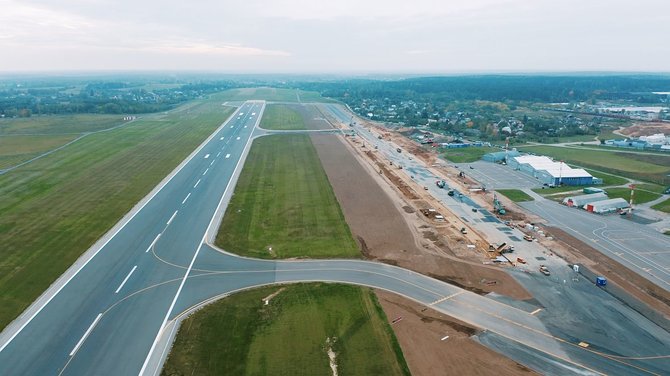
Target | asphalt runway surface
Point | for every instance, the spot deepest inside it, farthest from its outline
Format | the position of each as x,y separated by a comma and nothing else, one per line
111,316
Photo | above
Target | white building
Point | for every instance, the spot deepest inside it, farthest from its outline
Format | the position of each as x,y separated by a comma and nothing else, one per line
607,206
550,172
580,201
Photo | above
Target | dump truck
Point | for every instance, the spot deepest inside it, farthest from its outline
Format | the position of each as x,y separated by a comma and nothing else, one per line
440,183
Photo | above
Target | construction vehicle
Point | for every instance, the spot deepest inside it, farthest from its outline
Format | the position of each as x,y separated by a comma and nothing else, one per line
451,192
544,270
464,230
520,260
498,206
440,183
398,150
528,238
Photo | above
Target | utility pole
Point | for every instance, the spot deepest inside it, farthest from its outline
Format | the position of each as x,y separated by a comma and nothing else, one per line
560,173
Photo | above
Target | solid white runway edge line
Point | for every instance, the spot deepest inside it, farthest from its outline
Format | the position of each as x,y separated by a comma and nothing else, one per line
125,279
143,202
190,266
171,218
153,243
88,331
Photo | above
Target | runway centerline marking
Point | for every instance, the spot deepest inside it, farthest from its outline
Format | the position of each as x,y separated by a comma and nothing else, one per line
171,218
218,154
211,163
227,156
125,279
187,196
88,331
205,173
153,243
196,183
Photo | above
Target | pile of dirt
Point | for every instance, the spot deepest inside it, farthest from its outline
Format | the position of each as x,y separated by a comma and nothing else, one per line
451,351
645,129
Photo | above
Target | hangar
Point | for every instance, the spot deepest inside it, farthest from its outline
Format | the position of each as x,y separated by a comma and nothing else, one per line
550,172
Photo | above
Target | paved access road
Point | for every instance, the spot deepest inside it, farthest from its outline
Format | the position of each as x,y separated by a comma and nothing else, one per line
113,315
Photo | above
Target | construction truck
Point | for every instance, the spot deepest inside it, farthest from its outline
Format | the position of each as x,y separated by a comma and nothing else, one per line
451,192
398,150
440,183
544,270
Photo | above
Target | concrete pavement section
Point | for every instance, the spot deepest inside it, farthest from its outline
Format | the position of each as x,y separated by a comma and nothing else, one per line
118,313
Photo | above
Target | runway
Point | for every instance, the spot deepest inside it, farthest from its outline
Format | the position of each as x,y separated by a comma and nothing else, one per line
111,314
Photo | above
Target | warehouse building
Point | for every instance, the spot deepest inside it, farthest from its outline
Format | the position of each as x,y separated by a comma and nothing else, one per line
550,172
607,206
580,201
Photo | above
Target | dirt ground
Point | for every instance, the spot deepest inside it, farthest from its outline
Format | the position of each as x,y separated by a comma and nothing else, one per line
390,228
423,329
645,129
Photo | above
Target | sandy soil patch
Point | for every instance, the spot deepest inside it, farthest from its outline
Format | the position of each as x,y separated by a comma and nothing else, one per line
645,129
424,329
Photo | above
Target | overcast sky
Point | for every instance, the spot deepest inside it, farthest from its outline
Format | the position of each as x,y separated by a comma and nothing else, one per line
335,36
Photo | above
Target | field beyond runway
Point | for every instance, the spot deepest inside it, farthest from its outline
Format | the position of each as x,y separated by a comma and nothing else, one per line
289,335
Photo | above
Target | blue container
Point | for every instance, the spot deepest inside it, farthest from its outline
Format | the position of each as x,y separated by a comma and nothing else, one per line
601,281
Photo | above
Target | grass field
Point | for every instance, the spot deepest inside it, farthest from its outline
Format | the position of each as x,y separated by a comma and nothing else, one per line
53,209
17,149
239,335
663,206
515,195
271,94
644,167
283,200
640,197
469,154
281,117
608,179
58,124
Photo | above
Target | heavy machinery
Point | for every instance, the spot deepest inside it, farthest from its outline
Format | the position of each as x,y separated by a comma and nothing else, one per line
451,192
440,183
498,206
544,270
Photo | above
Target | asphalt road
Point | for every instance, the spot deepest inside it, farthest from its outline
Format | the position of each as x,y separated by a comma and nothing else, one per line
643,249
112,316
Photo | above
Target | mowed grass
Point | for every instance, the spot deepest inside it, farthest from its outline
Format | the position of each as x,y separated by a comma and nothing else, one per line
640,196
271,94
281,117
283,201
59,124
17,149
647,167
54,209
663,206
240,335
515,195
608,179
469,154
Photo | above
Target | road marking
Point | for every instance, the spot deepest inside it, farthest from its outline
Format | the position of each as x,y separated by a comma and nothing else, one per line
227,156
125,279
536,311
218,154
205,173
206,156
445,298
153,243
221,139
171,218
245,126
443,338
88,331
237,138
196,183
211,163
188,271
187,196
153,193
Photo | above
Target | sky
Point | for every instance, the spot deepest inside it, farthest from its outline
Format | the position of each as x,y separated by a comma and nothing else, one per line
337,36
